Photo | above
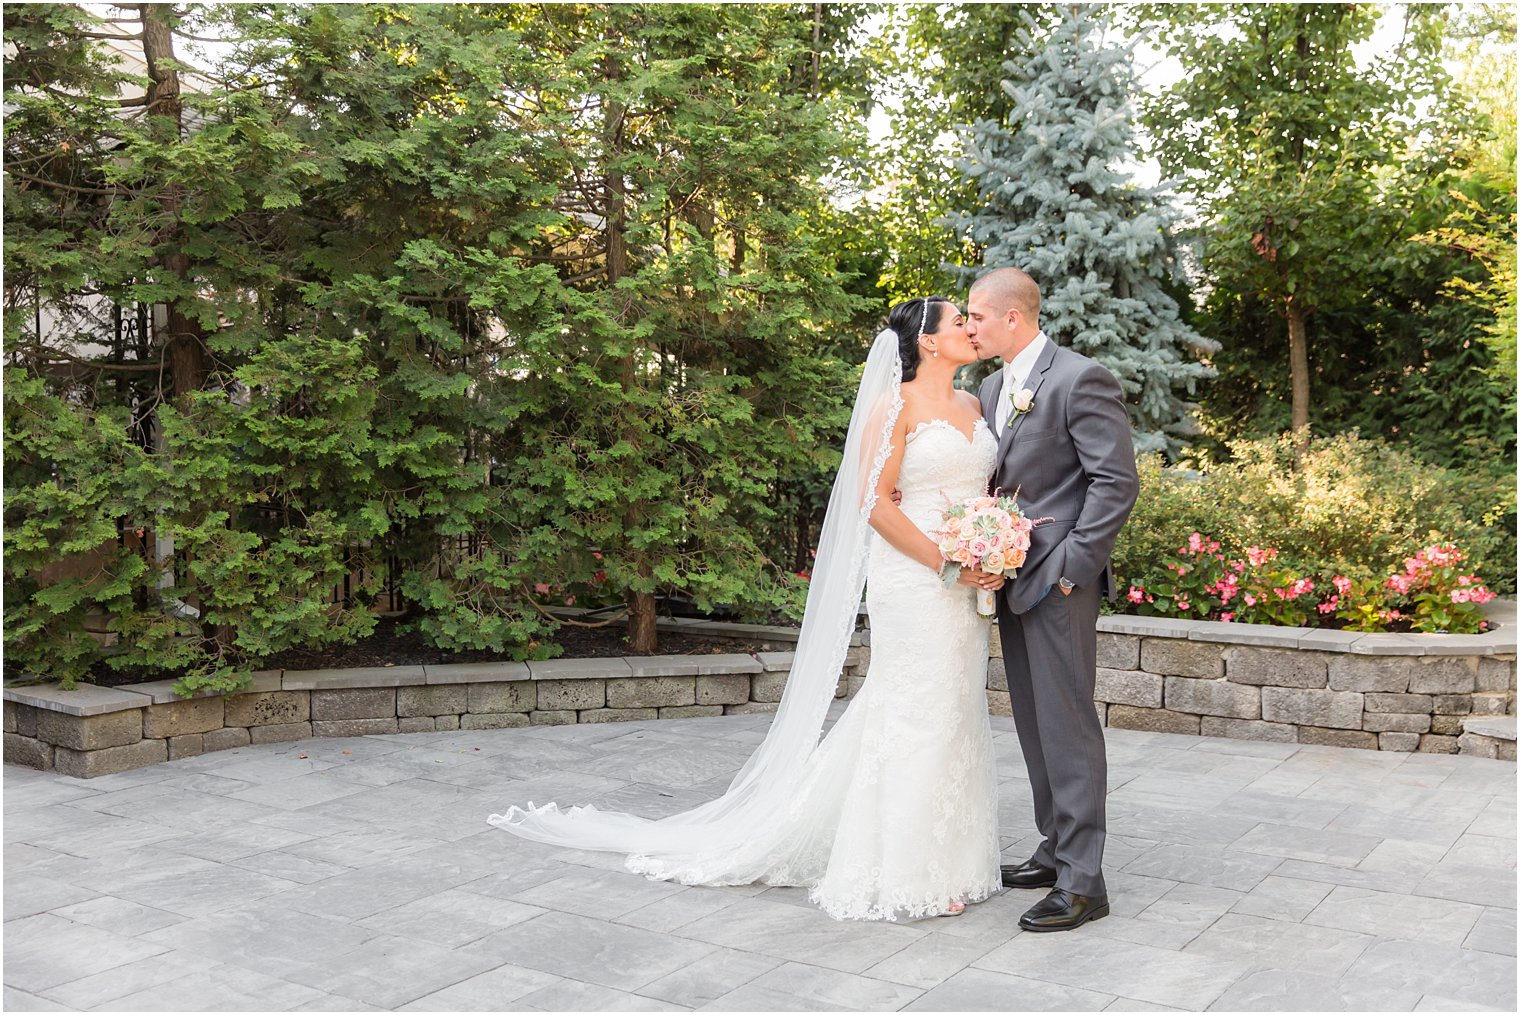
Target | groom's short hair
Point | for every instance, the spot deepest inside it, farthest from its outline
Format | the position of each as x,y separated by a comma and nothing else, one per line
1010,287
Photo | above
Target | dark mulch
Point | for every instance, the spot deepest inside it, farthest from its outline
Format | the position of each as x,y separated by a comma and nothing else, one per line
388,646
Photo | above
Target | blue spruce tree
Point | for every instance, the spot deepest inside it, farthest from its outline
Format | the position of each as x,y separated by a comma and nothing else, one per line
1056,202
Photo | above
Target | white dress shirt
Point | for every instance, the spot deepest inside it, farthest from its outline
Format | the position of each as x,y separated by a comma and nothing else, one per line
1015,373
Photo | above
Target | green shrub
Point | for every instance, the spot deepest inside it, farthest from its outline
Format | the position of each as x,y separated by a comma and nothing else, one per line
1349,507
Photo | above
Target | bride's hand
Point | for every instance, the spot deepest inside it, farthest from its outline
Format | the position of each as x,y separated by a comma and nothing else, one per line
981,579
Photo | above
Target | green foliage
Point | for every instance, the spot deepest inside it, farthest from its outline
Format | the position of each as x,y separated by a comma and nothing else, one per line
1351,507
482,291
1050,199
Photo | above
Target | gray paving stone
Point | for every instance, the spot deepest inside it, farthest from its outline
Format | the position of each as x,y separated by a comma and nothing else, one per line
1201,865
1284,899
28,895
1460,882
986,990
228,987
20,1000
1120,968
1276,944
801,935
603,894
1305,844
1451,971
930,961
670,912
450,918
363,877
484,991
119,916
1191,906
1290,989
592,951
44,951
388,970
1391,915
1494,932
702,983
97,989
835,988
573,995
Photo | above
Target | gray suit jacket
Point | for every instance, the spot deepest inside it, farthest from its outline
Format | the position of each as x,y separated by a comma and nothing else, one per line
1071,459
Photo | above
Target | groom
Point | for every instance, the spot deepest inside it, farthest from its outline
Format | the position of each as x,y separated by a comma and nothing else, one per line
1064,444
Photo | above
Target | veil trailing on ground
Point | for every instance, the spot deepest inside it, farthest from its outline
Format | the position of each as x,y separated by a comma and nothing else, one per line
682,844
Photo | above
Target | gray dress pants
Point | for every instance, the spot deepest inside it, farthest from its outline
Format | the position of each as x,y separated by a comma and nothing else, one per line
1051,657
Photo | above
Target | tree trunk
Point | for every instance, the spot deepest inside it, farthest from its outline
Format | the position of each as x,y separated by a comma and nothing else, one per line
184,345
641,603
1298,368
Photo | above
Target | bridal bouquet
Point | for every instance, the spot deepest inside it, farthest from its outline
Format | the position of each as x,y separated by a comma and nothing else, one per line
988,533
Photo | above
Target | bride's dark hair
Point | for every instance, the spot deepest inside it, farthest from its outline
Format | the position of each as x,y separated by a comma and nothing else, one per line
910,319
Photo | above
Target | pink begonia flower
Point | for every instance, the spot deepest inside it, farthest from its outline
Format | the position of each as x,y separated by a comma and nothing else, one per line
1250,599
569,600
1227,617
1136,594
1341,583
1258,556
542,588
1459,596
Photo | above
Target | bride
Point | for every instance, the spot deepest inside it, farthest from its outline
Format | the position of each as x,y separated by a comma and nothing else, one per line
894,814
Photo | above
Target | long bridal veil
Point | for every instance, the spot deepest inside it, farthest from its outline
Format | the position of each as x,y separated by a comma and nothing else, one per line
761,791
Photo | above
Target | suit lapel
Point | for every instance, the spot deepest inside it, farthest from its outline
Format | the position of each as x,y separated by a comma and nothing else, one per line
1033,382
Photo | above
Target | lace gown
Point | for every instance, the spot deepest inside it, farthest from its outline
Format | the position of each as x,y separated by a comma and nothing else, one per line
896,813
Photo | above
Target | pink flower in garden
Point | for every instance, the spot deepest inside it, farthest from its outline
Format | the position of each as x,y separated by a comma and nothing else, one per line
1342,584
1250,599
1460,595
1227,617
1136,594
542,588
1301,587
569,600
1258,556
1195,542
598,556
1328,606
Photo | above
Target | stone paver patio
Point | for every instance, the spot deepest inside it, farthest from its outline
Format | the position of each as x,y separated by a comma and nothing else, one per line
359,874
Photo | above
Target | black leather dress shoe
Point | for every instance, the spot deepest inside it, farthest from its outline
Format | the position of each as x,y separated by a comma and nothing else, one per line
1063,910
1029,874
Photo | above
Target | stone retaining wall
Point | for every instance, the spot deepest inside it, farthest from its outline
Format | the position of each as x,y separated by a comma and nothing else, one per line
1391,692
95,730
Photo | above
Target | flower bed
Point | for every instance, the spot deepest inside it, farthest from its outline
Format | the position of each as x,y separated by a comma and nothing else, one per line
1433,593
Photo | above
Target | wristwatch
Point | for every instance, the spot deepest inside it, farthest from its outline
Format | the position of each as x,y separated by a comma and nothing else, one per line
1067,585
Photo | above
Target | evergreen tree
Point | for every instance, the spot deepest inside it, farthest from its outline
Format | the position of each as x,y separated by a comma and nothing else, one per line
1056,203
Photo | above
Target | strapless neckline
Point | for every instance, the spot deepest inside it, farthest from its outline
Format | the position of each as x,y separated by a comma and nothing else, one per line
926,424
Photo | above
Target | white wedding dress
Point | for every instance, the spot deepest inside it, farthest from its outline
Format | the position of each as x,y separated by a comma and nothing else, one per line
895,814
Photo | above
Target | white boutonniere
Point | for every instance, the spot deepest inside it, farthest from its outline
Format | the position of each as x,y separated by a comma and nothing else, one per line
1023,401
